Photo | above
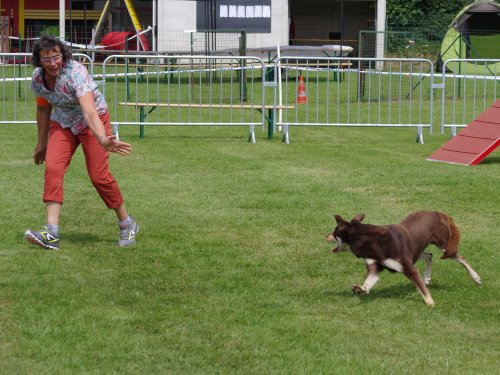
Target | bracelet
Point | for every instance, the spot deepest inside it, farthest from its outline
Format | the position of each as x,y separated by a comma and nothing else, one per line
99,139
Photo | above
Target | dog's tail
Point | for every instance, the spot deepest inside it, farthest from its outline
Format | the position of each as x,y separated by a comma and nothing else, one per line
451,248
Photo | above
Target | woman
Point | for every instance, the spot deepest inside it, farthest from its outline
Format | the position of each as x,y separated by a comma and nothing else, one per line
72,111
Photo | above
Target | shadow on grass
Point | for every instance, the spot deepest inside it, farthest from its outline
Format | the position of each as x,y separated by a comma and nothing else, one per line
491,160
82,238
392,292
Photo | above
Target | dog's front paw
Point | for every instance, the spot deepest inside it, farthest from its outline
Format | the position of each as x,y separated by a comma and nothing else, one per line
357,289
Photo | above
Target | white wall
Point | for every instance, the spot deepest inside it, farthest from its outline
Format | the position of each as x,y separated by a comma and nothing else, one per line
175,16
279,28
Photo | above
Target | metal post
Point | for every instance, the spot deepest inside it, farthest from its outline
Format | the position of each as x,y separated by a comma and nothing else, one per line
19,64
251,136
127,93
62,19
270,124
242,52
142,117
285,139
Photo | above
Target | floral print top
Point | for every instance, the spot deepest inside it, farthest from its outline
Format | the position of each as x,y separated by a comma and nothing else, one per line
73,82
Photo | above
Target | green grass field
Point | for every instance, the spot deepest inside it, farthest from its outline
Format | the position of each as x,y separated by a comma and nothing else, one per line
231,273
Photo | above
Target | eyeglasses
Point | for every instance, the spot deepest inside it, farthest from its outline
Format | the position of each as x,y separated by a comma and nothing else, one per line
52,59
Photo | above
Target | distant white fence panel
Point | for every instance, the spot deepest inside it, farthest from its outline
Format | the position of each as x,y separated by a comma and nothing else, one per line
144,90
17,103
355,92
165,90
469,87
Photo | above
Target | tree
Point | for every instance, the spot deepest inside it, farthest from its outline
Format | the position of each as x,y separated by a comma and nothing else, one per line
429,14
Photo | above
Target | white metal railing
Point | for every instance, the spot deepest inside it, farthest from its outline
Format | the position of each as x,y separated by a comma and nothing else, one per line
469,86
355,92
183,90
17,103
166,90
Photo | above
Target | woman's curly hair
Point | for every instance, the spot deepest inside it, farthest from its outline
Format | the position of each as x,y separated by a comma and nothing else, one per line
49,43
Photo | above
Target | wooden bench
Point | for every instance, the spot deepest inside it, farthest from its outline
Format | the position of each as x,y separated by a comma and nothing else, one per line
141,106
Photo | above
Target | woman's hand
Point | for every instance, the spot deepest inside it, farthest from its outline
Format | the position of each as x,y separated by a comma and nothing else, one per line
111,144
39,154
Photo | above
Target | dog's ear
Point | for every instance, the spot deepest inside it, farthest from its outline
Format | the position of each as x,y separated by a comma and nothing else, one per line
358,218
339,219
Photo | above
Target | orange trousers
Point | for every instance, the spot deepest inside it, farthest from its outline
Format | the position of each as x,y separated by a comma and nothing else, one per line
61,146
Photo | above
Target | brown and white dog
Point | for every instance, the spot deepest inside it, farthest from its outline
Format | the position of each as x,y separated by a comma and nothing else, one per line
398,246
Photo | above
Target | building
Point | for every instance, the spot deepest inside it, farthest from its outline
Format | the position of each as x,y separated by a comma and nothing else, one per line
172,22
270,22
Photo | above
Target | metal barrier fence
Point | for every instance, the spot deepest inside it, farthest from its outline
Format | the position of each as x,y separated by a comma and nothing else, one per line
166,90
17,103
355,92
183,90
468,88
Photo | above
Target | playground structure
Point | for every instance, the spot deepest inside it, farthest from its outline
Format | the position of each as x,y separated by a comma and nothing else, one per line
135,21
22,22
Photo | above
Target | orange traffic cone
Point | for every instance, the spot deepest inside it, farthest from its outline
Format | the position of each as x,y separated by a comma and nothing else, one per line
301,92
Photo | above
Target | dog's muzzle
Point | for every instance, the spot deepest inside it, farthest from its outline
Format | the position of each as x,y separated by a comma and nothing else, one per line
341,246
